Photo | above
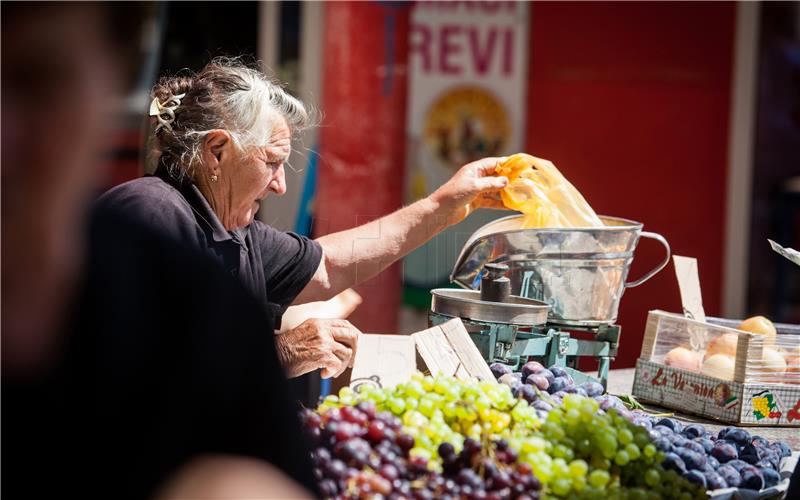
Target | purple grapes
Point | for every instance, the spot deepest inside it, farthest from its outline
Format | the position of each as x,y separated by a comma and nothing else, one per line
559,384
693,431
771,476
752,479
592,388
499,369
714,481
539,381
692,459
730,475
530,368
673,462
696,477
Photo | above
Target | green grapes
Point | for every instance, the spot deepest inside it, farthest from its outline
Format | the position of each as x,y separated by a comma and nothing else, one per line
574,449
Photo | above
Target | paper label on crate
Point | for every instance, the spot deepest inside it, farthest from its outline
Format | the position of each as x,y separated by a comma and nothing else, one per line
687,391
689,284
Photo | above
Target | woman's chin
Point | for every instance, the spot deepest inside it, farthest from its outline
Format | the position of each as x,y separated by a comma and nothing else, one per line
249,215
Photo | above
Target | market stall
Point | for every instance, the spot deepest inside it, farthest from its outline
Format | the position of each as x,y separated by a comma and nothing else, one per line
490,401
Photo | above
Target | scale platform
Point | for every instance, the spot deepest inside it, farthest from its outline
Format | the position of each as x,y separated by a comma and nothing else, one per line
517,331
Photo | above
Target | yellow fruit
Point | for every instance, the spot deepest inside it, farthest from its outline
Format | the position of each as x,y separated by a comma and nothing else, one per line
723,344
758,324
683,358
719,366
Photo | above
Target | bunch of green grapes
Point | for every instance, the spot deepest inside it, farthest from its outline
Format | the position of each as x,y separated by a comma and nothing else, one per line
443,409
596,453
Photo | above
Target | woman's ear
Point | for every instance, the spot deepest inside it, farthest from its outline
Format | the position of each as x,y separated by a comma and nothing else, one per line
216,146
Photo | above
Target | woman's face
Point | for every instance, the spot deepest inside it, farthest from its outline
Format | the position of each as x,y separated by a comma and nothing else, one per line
253,177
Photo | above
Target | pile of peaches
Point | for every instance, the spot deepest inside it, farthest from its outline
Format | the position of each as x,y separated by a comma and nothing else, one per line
719,358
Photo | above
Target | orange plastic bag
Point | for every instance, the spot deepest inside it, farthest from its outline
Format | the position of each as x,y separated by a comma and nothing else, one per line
546,198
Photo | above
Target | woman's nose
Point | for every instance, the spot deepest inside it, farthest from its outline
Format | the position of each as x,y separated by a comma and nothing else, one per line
278,183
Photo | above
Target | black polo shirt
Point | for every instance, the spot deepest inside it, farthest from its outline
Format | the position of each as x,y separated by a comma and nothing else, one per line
164,359
274,265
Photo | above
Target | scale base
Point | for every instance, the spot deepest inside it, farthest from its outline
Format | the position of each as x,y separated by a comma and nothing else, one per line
548,344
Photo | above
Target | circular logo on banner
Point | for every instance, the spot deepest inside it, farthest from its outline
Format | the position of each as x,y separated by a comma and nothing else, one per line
465,124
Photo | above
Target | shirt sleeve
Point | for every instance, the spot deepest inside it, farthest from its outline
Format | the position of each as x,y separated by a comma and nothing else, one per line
289,260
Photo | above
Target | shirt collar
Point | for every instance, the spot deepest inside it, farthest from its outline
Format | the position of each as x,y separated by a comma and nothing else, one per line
200,205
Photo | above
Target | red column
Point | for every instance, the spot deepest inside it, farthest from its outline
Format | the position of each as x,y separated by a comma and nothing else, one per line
362,137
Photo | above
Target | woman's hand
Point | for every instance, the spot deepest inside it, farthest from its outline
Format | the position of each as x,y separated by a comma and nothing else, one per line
473,186
329,344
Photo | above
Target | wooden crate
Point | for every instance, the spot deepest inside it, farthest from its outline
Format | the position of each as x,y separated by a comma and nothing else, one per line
753,393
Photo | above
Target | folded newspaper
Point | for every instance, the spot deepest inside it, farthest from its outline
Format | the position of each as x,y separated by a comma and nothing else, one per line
790,253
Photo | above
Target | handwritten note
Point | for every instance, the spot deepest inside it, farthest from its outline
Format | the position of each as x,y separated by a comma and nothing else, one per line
689,284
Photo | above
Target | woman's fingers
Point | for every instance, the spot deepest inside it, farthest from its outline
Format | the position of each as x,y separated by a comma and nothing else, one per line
331,366
486,166
343,355
342,352
491,183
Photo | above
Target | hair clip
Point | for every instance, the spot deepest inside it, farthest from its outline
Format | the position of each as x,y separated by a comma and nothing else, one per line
165,113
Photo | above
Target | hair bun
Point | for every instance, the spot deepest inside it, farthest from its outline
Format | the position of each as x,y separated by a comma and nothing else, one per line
171,86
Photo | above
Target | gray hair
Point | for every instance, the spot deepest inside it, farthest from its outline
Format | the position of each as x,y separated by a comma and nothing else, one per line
227,95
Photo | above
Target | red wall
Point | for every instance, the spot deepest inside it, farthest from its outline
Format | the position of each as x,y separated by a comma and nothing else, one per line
631,102
362,137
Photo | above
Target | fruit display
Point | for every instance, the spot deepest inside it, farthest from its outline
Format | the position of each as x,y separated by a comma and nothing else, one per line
772,358
535,434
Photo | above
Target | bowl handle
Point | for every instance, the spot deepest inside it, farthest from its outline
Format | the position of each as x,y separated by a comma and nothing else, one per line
660,266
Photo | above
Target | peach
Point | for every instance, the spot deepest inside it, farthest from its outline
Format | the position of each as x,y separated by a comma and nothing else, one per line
681,357
761,326
719,366
722,344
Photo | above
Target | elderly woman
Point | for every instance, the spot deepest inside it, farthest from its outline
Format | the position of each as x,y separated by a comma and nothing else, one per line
223,138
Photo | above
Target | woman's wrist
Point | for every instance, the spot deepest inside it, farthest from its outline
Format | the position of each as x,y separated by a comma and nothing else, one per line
284,351
445,212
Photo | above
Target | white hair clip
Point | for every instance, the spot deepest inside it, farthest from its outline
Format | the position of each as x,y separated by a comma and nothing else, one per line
165,113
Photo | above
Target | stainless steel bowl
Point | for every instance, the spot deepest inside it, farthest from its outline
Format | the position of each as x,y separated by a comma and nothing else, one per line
580,272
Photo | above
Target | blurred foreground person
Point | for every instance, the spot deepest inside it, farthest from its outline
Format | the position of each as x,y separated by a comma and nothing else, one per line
151,378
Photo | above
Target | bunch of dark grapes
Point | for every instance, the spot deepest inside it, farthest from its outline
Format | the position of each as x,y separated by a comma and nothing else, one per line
732,458
359,452
490,471
362,453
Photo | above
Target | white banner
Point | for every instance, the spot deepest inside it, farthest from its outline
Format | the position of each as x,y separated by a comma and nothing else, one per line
467,100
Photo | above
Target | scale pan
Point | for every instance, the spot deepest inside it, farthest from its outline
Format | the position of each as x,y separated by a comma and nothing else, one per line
467,304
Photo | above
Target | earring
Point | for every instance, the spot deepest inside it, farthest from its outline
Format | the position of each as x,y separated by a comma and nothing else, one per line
214,178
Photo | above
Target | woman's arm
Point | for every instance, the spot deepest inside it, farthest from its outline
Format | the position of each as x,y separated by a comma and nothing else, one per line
353,256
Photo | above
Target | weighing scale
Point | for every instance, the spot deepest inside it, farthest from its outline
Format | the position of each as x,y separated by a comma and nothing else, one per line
514,330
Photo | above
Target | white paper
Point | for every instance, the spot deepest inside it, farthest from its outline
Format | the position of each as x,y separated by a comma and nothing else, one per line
790,253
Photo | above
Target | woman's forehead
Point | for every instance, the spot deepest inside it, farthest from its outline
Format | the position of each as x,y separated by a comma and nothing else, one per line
278,148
